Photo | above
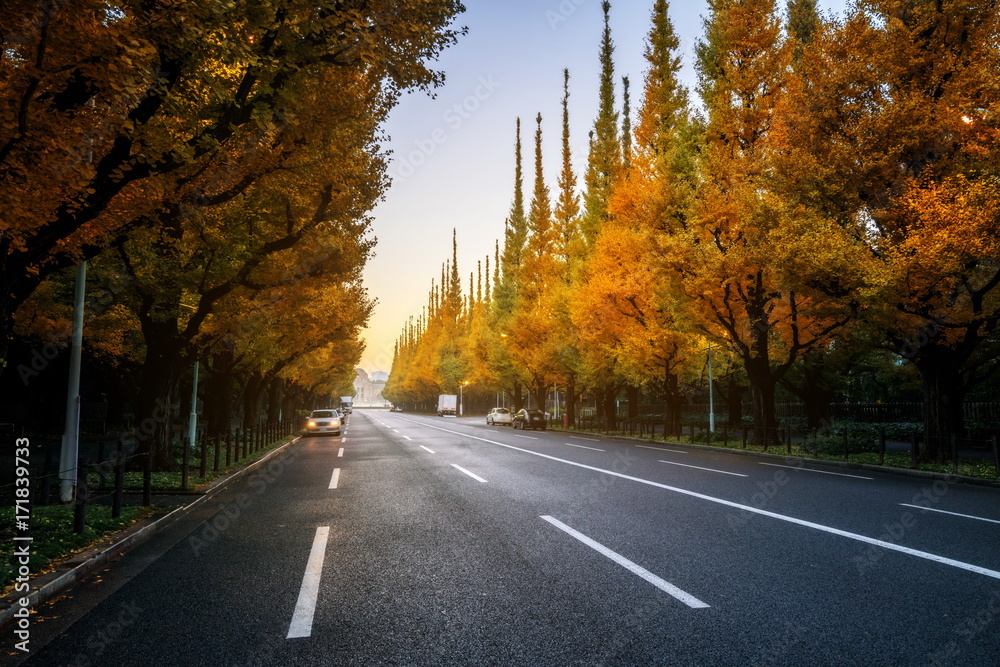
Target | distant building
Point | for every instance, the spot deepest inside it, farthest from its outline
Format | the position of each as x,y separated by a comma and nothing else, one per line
368,390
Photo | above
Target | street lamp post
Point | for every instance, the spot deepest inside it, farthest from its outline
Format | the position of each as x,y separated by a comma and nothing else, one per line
193,420
461,402
711,403
69,453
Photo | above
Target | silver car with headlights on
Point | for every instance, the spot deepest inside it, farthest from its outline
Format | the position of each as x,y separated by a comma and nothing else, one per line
323,422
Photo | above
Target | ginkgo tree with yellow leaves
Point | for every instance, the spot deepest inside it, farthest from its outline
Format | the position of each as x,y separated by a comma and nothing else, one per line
897,141
831,209
627,314
448,348
738,256
532,329
510,379
216,163
627,330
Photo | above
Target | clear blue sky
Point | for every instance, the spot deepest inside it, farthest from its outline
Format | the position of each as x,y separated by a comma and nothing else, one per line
453,156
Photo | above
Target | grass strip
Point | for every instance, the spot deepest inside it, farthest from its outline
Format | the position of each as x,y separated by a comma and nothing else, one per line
53,537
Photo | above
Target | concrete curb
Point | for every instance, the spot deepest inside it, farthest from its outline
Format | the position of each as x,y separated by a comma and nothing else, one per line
48,585
846,465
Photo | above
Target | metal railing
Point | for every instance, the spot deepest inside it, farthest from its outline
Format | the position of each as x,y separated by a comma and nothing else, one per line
108,472
857,442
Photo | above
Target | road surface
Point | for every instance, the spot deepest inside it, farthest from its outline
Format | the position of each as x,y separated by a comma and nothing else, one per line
416,540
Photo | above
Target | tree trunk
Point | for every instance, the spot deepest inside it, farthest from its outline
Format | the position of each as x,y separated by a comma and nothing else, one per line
944,394
762,386
672,402
276,389
516,397
6,326
757,363
158,377
633,403
219,395
734,401
571,401
120,394
183,388
817,404
608,408
540,390
290,403
813,392
253,393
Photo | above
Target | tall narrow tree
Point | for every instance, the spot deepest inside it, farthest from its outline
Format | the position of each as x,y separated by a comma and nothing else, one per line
534,325
570,252
506,291
567,207
803,24
626,126
516,229
629,290
605,158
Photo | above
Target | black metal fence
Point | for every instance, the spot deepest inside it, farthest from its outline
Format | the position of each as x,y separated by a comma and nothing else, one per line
871,442
110,472
974,413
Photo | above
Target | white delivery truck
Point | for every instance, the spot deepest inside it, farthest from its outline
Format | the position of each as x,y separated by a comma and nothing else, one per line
447,405
347,403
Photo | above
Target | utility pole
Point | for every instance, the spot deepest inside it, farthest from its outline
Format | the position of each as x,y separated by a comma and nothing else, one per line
711,403
193,421
69,454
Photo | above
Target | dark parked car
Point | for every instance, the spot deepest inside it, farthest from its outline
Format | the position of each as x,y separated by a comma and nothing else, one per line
529,419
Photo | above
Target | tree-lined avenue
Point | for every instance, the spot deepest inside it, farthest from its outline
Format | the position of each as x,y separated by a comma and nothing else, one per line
450,542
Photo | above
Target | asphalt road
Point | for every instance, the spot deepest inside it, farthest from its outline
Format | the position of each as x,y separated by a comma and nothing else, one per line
418,540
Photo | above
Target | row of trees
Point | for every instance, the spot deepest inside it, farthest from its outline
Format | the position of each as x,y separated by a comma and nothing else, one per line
214,163
834,202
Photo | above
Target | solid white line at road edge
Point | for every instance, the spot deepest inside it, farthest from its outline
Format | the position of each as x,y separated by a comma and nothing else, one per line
822,472
335,478
634,568
968,567
661,449
472,475
688,465
570,444
964,516
305,607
